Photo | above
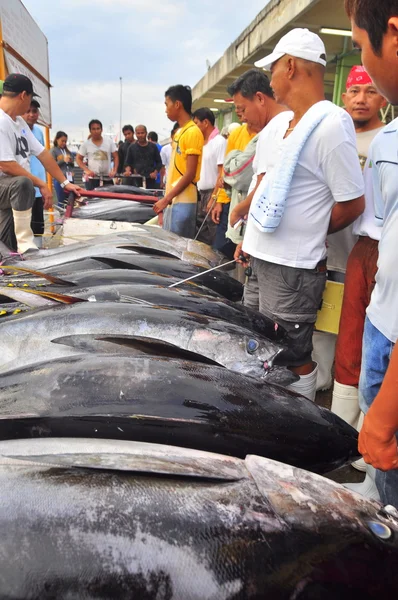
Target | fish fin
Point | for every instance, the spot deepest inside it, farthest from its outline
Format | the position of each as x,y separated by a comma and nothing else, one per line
115,455
147,251
56,298
50,278
27,297
132,344
117,263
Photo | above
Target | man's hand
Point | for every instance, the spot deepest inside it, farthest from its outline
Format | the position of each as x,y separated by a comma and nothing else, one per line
161,205
153,175
239,253
378,444
236,214
47,196
71,187
216,213
210,203
89,173
112,173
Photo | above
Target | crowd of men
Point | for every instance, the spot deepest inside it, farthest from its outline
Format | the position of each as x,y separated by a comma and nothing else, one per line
302,189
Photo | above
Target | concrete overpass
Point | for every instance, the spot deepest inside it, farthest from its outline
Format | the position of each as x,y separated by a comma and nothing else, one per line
259,39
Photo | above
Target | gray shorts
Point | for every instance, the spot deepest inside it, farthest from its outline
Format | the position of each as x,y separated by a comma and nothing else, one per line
292,298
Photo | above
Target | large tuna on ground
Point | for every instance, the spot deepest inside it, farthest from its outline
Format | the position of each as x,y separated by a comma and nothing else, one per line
89,519
172,402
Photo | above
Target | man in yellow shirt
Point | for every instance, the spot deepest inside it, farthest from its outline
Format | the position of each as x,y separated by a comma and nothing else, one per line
180,202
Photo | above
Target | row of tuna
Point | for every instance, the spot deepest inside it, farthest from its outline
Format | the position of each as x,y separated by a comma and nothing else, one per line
140,425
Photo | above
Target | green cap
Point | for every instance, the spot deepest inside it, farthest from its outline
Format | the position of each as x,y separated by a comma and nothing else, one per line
1,86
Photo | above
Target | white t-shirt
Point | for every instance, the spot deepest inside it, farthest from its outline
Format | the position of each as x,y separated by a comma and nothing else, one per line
383,308
17,142
365,224
165,155
327,172
99,158
212,157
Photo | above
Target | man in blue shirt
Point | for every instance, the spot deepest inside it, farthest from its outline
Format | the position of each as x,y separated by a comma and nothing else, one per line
37,169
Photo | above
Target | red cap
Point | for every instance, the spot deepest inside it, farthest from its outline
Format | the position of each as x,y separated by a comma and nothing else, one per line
358,76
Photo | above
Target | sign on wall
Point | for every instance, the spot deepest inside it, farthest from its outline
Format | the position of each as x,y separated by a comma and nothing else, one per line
22,33
15,66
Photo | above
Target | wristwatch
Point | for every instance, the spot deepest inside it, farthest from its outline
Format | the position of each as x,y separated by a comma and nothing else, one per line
65,183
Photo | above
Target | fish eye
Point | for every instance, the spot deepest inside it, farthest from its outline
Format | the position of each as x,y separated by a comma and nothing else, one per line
380,530
252,346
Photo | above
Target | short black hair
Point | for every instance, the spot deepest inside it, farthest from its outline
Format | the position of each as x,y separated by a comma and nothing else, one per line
94,122
204,113
174,128
35,103
128,128
250,83
373,17
183,93
153,136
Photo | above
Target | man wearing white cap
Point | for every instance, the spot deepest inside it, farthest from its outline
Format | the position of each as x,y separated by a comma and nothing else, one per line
312,185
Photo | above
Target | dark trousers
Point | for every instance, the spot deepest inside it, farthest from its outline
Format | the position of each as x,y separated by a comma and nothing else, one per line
222,243
208,229
37,223
91,184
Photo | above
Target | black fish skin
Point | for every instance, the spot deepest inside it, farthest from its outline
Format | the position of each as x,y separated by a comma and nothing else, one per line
79,534
172,402
115,210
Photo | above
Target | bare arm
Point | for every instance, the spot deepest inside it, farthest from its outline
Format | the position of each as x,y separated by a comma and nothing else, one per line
80,163
377,441
345,213
50,165
115,157
181,185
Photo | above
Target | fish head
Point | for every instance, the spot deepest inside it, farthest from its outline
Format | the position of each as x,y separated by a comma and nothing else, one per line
240,350
350,540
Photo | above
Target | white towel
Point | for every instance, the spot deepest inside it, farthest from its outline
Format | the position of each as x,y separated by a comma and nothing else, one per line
268,210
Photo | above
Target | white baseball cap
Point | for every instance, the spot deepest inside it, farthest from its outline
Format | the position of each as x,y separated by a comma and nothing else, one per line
300,43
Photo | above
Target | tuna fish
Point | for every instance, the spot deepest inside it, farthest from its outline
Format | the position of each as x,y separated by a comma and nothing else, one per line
86,258
157,295
114,210
91,519
45,334
172,401
37,280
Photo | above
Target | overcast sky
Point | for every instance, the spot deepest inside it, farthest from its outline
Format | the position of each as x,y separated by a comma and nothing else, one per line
151,44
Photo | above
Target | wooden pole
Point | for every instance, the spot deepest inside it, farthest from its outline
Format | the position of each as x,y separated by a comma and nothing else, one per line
3,71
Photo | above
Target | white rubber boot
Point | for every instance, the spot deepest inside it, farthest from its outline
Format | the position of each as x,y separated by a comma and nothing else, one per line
360,464
345,403
23,231
368,487
323,354
306,385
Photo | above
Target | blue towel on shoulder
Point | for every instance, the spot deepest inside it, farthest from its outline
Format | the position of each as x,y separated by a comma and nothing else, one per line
269,208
